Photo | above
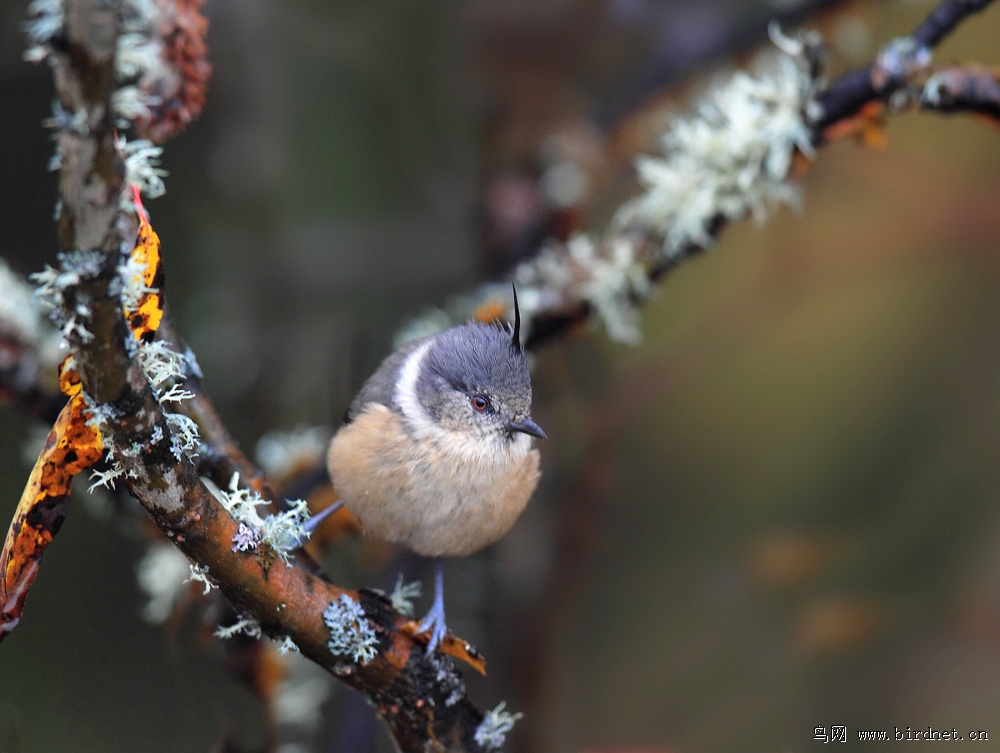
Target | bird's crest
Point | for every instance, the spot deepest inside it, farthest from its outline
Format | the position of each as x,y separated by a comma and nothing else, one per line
515,340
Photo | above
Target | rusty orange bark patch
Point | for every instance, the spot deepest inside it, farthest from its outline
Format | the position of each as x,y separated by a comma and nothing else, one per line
145,318
867,125
70,447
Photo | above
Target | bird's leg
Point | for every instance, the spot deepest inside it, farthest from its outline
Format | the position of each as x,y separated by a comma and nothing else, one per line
313,523
434,621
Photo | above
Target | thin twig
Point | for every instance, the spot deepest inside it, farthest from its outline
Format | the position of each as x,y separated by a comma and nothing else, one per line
893,68
959,89
852,91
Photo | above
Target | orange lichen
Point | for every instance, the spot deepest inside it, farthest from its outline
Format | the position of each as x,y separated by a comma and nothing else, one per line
71,447
867,125
145,318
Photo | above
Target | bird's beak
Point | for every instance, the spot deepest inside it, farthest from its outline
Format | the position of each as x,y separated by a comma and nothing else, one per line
528,427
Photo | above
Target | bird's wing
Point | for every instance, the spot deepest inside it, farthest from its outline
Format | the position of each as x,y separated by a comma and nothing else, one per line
382,384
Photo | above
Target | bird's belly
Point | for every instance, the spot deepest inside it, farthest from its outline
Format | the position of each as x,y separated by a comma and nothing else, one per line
422,495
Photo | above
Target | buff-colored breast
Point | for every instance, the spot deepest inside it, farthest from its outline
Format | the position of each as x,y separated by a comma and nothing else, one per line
432,495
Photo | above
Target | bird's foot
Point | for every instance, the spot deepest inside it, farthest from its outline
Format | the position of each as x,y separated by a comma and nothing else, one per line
434,623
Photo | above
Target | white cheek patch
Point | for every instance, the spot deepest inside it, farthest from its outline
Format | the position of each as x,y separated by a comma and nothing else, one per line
474,447
405,394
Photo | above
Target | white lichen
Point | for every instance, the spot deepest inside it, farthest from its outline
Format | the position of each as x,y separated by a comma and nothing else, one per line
281,453
139,62
935,91
199,574
77,122
162,364
106,478
492,731
611,279
137,56
142,170
45,21
286,646
74,329
351,634
133,288
164,368
162,576
245,625
176,394
730,159
131,103
23,317
402,595
76,266
284,531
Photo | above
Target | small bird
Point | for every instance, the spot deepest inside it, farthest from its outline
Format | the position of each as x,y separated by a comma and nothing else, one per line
437,450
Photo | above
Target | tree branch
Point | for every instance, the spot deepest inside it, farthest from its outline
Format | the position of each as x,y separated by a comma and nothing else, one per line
420,697
972,89
849,93
568,285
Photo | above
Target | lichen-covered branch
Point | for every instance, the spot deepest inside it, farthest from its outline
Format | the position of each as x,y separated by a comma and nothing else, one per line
130,384
891,68
734,157
737,155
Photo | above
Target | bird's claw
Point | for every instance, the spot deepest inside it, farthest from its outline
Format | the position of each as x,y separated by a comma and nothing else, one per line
435,624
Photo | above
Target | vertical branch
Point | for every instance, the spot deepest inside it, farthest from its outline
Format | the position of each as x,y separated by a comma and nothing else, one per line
91,180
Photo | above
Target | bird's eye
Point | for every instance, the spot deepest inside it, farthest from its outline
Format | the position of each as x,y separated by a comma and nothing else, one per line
480,403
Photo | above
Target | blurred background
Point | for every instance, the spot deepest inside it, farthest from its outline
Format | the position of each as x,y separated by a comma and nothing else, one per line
778,512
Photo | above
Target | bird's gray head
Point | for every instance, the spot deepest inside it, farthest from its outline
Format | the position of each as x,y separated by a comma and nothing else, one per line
474,378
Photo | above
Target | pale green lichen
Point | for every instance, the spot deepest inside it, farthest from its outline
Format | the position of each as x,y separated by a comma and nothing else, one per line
245,626
492,731
727,160
402,595
283,531
351,634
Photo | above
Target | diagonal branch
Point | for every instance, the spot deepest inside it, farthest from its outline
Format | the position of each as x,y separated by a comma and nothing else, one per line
568,283
852,91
